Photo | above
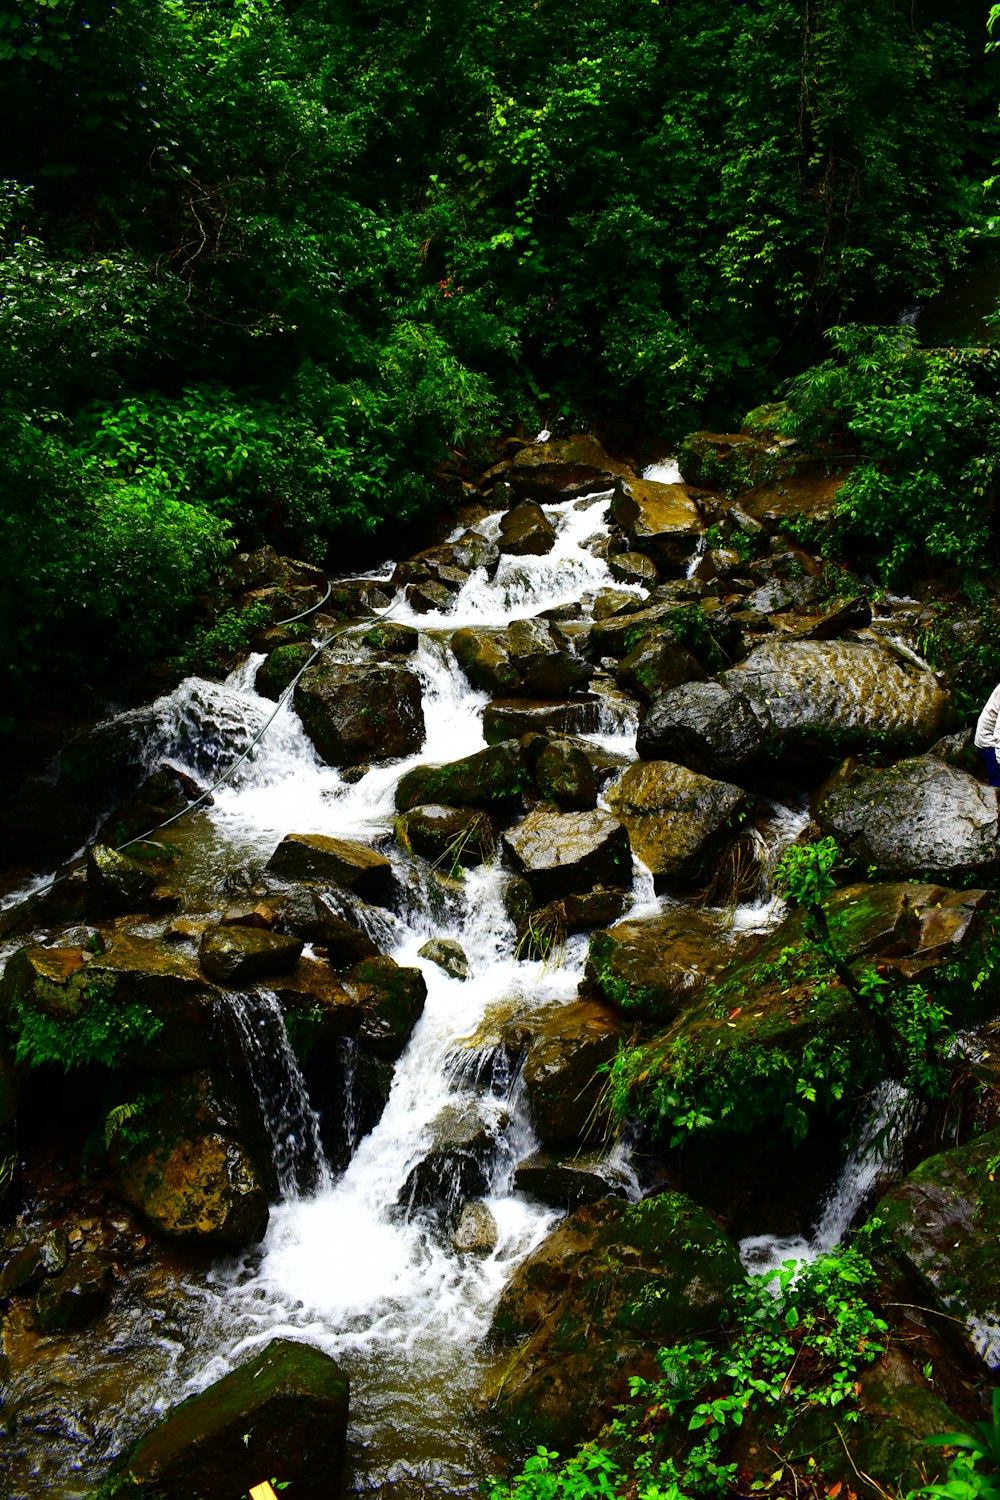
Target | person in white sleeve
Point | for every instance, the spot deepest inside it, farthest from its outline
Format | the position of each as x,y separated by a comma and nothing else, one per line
987,739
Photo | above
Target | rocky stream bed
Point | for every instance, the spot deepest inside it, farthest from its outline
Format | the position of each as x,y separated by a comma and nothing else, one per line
308,1082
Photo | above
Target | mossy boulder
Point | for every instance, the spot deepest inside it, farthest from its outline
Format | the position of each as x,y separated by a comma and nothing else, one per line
390,638
920,816
561,854
195,1185
564,775
116,883
391,997
943,1224
654,966
676,818
282,1414
449,835
278,669
483,657
730,461
357,714
656,665
664,521
496,774
606,1288
525,531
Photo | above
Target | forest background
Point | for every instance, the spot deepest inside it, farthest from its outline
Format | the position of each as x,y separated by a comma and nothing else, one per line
265,266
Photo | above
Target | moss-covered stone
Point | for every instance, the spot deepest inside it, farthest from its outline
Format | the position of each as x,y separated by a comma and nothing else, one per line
236,956
391,998
315,856
496,774
356,714
655,966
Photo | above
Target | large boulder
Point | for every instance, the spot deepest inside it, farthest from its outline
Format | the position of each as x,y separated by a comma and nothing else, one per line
284,1414
841,695
316,856
237,956
920,816
525,531
563,469
654,966
662,520
356,714
458,1164
116,883
943,1224
194,1184
496,774
676,818
482,654
560,854
139,1003
704,726
587,1308
656,665
391,997
543,661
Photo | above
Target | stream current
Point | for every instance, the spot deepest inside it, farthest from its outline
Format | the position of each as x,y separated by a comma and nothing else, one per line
342,1265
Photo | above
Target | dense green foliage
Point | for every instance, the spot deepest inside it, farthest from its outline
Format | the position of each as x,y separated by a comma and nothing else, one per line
263,264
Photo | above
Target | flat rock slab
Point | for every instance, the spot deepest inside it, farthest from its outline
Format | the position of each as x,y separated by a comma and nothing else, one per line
846,694
316,856
283,1414
676,818
561,854
654,966
920,816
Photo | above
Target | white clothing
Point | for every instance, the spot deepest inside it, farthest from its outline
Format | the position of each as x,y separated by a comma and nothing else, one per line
986,726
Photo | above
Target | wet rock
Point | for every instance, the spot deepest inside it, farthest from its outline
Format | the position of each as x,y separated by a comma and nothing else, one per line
921,816
510,718
525,531
277,671
117,884
162,796
356,714
634,567
481,654
722,460
487,776
567,1181
943,1224
314,856
260,915
675,818
704,726
600,1293
663,521
560,854
839,616
449,835
23,1270
319,918
563,469
564,775
653,966
392,1001
141,1002
459,1160
73,1298
656,666
541,658
562,1078
235,957
806,489
620,634
448,955
841,695
476,1232
542,930
426,597
284,1413
391,638
315,1002
198,1185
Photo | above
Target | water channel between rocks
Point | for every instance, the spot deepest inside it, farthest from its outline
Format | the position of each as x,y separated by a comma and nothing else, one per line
342,1265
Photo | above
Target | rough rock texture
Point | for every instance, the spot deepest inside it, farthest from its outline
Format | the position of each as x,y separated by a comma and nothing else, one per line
540,656
314,856
656,666
448,955
661,520
605,1288
283,1414
943,1223
196,1185
392,999
561,1078
654,966
484,659
563,468
560,854
491,775
509,718
74,1297
920,816
457,1164
842,694
319,917
356,714
703,726
116,883
564,775
449,835
634,567
476,1232
675,818
236,956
